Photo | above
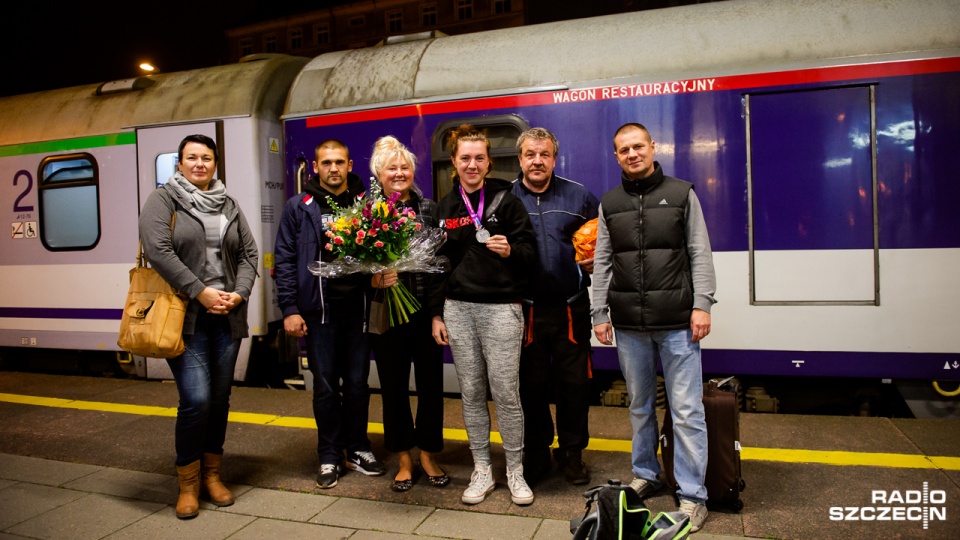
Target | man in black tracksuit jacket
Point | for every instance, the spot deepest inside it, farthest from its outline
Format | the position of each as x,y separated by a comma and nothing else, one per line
329,313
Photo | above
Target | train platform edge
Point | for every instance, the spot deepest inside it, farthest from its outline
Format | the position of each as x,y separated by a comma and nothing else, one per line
85,457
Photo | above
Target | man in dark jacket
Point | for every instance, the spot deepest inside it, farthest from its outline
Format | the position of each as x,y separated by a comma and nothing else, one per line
556,345
329,313
654,281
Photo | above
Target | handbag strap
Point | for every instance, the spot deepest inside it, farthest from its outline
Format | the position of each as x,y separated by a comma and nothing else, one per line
141,258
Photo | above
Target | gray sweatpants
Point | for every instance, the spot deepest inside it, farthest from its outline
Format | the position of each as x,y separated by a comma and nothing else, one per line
485,340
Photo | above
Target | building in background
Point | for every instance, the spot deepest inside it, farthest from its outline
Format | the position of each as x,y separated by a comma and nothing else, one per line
363,23
367,22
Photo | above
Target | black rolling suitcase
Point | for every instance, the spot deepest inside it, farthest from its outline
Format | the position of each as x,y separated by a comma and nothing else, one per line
724,482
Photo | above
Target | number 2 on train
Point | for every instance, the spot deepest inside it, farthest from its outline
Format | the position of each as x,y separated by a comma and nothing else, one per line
16,204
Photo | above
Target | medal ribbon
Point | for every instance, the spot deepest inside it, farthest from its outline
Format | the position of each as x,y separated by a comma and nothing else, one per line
475,216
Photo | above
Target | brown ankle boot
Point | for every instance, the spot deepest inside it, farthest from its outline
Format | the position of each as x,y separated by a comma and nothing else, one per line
188,503
210,485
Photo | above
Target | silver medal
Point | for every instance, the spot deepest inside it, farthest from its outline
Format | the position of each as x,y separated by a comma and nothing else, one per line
483,235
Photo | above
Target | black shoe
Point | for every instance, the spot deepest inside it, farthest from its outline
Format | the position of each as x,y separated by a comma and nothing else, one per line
365,463
328,475
436,481
402,486
574,469
537,464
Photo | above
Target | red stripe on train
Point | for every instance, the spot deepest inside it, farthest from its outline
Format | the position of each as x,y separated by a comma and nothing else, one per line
733,82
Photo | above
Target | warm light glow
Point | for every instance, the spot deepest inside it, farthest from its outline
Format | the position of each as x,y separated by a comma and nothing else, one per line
147,66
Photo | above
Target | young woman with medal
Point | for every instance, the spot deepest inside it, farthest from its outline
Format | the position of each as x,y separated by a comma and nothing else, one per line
476,306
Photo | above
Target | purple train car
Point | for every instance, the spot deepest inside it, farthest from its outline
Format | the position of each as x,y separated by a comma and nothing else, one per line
819,136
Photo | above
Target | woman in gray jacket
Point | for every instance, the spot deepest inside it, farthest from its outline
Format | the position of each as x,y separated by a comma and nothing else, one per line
197,239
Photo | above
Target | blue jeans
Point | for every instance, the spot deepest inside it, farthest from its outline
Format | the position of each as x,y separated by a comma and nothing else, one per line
638,353
339,351
204,376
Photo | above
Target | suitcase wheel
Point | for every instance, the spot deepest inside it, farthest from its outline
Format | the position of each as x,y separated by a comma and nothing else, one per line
743,485
737,505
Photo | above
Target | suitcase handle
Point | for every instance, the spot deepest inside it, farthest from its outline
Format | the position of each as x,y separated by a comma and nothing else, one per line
722,382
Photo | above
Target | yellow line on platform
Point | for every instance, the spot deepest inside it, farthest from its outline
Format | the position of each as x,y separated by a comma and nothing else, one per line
782,455
836,457
609,445
143,410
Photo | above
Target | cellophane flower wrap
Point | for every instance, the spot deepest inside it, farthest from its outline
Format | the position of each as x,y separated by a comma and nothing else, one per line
376,234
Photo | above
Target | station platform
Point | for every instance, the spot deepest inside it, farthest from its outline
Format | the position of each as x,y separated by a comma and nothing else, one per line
85,457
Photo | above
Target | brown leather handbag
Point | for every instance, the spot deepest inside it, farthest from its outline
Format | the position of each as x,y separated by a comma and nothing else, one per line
152,321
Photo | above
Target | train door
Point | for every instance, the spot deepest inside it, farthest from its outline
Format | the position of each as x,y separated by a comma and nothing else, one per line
156,163
157,153
812,195
502,131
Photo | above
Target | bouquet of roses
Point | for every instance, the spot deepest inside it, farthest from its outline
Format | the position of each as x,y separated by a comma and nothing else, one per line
376,234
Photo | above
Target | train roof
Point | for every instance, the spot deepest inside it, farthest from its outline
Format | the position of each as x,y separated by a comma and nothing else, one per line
720,38
257,86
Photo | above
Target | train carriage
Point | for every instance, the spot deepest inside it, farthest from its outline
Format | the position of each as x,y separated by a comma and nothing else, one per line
77,164
818,135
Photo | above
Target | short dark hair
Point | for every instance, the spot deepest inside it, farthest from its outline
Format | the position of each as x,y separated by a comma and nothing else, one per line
199,139
331,144
630,127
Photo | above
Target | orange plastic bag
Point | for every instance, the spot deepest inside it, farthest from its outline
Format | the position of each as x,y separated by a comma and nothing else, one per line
585,240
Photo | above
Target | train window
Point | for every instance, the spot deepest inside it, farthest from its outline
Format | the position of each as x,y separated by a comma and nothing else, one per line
166,165
812,192
502,132
69,190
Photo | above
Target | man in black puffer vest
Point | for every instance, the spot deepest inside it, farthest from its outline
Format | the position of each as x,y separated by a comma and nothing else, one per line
654,283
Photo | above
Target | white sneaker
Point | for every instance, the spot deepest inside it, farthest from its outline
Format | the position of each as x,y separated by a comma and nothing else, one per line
696,511
481,483
520,492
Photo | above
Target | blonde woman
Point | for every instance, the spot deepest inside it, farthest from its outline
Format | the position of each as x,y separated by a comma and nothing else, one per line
394,351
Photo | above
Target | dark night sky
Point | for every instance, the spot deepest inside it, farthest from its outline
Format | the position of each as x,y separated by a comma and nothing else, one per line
47,45
59,44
